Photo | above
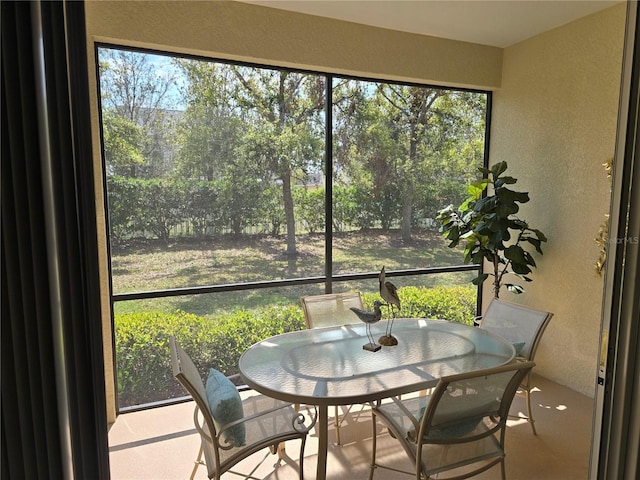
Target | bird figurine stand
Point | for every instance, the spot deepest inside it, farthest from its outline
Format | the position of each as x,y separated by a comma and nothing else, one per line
389,294
371,347
370,318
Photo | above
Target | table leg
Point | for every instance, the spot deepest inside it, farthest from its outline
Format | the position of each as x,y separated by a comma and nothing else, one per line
323,433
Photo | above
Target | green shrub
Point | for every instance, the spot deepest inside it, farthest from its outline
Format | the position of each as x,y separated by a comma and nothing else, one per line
142,339
455,304
142,346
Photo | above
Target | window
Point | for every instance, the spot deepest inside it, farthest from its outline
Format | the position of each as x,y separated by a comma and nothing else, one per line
234,189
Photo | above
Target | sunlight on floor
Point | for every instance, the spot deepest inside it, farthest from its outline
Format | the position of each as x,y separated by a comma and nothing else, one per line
161,444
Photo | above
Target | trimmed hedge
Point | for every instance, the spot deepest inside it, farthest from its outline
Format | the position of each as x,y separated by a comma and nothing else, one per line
455,304
142,339
142,346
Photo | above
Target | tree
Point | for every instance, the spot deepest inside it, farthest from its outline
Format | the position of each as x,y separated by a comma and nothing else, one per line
136,92
410,110
363,146
285,134
458,152
405,143
123,144
210,130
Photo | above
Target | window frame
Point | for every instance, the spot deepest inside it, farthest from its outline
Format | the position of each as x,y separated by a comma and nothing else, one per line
329,279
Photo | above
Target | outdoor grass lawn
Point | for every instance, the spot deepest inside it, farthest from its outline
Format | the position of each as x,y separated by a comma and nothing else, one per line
186,262
218,327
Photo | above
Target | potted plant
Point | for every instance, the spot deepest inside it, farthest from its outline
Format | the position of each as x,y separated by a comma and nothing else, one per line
491,231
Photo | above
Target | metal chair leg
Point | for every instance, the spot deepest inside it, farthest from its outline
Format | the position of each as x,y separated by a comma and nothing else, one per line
530,419
198,462
373,446
526,386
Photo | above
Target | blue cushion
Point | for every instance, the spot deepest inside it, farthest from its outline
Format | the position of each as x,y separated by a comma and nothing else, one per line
226,406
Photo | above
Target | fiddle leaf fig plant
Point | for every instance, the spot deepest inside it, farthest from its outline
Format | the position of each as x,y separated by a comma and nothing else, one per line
490,230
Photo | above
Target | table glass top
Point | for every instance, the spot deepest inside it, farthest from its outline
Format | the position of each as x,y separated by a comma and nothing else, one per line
328,366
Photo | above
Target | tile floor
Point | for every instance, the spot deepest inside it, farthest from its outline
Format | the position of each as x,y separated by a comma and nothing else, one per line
161,444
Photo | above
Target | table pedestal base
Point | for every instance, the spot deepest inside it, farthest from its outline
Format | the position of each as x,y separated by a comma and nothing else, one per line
372,347
322,427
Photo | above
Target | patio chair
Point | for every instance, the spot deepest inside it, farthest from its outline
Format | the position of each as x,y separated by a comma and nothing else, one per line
332,309
232,429
523,327
459,428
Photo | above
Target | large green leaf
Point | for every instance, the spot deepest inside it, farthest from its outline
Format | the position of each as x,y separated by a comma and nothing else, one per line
498,169
515,253
479,280
475,189
508,196
506,209
517,224
520,268
504,181
529,259
535,242
541,236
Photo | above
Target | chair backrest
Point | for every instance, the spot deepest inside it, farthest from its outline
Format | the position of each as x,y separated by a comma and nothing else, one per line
459,404
187,374
518,324
330,309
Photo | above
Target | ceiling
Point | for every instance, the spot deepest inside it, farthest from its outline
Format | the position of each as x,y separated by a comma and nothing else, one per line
498,23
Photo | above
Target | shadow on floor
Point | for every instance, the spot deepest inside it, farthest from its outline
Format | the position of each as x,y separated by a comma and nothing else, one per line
161,444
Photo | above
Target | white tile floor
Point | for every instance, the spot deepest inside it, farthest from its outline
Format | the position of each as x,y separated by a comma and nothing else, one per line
161,444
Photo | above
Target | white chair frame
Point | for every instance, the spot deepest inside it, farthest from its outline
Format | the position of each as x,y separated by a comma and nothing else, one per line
332,309
270,427
481,446
518,323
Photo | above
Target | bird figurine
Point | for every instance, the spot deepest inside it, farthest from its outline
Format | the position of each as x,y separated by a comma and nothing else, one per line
389,294
369,318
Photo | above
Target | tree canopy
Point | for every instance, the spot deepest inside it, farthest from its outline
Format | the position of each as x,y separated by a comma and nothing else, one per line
247,145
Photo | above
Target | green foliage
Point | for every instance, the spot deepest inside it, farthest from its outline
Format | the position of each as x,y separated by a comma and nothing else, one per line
309,208
399,151
271,209
163,204
124,143
125,207
142,339
347,211
491,232
454,304
200,199
240,201
142,346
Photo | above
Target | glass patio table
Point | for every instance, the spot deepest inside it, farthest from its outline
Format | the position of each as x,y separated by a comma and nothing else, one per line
328,366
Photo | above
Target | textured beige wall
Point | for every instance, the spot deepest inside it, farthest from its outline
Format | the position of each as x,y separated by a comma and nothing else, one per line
554,122
239,31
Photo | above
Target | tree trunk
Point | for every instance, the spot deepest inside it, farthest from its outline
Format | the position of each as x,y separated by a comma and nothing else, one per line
406,216
288,211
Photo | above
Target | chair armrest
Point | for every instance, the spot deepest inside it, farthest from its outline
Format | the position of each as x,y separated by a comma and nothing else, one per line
198,426
296,418
406,411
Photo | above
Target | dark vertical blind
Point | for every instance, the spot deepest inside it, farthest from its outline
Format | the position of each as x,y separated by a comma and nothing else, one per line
53,419
618,454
